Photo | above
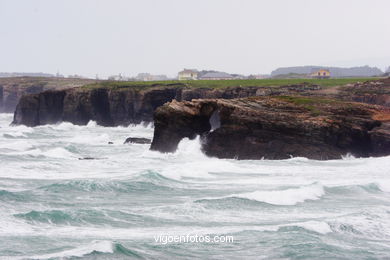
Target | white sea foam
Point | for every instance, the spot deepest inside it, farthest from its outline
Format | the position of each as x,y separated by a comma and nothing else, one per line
57,152
384,185
17,145
54,151
285,197
316,226
373,223
348,156
15,134
94,246
90,139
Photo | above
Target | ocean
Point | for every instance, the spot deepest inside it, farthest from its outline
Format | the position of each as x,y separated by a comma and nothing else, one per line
120,204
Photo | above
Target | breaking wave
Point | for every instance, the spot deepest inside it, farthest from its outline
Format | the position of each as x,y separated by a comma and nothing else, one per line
54,206
284,197
94,248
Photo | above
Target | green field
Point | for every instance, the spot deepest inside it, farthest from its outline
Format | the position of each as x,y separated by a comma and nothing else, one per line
226,83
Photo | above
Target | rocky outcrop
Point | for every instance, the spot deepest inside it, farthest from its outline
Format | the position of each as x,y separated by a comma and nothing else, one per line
275,127
1,98
12,89
370,92
108,107
124,106
115,104
137,140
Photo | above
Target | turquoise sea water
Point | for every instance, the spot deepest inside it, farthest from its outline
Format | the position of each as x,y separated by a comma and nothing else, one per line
55,206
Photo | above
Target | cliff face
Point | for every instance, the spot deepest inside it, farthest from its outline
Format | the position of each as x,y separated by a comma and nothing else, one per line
112,106
275,127
79,106
12,89
371,92
116,106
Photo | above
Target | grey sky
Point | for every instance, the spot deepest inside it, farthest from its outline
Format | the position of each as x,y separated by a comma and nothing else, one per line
163,36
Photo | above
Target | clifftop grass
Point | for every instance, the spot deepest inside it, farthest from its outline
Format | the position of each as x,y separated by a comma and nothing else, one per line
316,105
225,83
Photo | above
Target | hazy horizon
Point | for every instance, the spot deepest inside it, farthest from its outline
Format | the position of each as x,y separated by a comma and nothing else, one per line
162,37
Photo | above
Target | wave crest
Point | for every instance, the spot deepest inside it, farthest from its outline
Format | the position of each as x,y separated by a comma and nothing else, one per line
93,247
285,197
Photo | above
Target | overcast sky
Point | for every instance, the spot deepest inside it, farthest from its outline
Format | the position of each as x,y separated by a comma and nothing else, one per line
108,37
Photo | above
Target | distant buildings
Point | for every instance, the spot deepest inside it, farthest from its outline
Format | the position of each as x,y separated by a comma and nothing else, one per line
76,76
320,74
139,77
216,76
188,74
143,77
118,77
258,76
150,77
25,74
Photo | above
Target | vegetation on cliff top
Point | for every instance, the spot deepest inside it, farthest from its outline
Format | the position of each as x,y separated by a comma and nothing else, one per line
55,83
225,83
313,104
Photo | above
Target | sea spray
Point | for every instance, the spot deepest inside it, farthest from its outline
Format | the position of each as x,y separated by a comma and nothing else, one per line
56,206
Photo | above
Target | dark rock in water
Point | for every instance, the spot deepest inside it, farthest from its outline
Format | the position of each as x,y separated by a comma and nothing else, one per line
110,143
137,140
275,127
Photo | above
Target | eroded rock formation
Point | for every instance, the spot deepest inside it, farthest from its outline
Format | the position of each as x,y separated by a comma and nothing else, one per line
275,127
371,92
117,106
12,89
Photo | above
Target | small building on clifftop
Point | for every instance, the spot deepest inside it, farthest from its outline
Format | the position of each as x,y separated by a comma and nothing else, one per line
320,74
188,74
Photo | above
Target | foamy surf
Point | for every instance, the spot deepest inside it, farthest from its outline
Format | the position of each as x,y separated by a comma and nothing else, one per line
285,197
94,246
55,206
57,152
320,227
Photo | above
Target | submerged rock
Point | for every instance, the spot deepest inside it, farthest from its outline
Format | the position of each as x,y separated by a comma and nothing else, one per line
91,158
138,140
275,127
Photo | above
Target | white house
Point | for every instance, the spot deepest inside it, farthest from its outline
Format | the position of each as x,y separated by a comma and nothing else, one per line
188,74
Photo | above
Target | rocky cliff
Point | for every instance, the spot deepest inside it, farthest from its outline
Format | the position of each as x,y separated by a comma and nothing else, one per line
371,92
13,88
275,127
123,103
123,106
79,106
